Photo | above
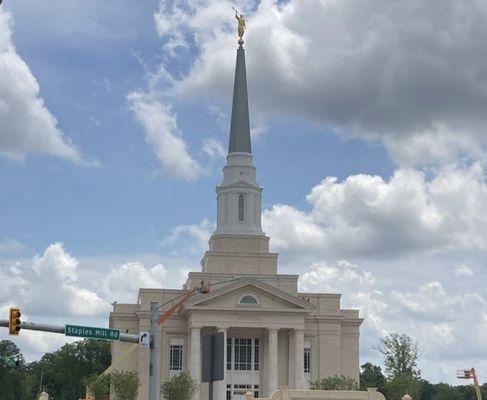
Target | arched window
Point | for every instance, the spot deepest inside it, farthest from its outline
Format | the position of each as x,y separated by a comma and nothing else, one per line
248,299
241,207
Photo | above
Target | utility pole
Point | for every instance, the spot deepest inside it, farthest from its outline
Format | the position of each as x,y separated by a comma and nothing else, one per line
154,367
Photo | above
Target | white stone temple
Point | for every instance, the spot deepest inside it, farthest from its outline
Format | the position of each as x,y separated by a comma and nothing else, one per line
275,335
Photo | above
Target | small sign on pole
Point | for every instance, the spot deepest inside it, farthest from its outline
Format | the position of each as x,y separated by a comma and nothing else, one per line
144,340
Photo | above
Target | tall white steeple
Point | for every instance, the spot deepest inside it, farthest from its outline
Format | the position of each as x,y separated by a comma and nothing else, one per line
238,245
239,195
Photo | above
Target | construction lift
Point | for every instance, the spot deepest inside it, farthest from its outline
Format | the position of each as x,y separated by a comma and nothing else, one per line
470,374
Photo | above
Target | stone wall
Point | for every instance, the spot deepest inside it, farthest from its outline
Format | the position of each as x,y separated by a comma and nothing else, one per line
283,393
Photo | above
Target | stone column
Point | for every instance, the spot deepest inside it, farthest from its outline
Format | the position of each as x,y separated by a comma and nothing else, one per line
298,359
195,357
220,387
291,356
272,361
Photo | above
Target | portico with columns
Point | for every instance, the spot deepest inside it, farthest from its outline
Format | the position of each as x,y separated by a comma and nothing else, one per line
274,335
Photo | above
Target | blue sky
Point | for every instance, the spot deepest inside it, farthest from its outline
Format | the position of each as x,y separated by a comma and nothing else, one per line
368,136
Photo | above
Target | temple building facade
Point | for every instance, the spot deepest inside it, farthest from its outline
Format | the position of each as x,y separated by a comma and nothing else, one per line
274,334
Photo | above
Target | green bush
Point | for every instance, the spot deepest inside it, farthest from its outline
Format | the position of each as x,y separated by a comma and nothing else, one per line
179,387
337,382
125,385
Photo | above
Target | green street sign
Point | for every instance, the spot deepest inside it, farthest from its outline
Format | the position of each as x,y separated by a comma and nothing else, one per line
91,332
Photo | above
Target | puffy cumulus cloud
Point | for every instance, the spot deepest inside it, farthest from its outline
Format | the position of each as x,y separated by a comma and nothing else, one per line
448,323
163,134
410,74
56,271
367,215
26,125
56,285
356,284
325,278
123,283
192,237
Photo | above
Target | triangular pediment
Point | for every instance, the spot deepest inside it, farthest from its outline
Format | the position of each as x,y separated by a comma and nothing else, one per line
249,294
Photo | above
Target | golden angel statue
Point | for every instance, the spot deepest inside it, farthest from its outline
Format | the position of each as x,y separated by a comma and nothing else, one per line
241,26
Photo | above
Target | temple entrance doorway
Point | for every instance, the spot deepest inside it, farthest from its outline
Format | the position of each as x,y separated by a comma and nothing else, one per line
243,366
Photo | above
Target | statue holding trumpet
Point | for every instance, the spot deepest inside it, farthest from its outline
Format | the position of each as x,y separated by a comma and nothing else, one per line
241,26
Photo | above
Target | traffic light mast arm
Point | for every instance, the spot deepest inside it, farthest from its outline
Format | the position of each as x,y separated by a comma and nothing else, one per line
124,337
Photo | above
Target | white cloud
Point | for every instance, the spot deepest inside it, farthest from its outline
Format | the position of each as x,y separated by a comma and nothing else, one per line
464,270
56,271
356,284
324,278
26,125
214,148
192,237
56,285
366,214
11,246
163,133
402,73
57,288
449,325
123,283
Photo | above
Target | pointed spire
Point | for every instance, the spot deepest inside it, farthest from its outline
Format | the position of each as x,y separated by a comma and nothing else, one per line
240,130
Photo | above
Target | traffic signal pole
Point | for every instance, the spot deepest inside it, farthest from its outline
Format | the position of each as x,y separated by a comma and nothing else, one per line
154,365
124,337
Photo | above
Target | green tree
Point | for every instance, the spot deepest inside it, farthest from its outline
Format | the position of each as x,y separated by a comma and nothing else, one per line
125,385
337,382
400,354
371,376
427,390
65,371
443,391
397,386
179,387
12,372
98,386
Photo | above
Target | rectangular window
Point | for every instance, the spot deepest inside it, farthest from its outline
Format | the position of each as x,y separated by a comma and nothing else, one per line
256,355
229,353
229,392
241,207
307,359
176,357
243,354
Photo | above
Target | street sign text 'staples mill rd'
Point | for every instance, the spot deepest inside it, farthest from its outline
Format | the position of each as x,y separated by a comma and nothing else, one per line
92,333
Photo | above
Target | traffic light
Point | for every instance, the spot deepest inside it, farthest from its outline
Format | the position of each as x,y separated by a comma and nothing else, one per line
14,321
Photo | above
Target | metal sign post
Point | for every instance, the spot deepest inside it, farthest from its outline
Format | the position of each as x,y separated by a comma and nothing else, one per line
154,367
212,360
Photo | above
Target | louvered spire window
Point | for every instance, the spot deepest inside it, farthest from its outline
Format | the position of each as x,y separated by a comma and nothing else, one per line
241,207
